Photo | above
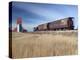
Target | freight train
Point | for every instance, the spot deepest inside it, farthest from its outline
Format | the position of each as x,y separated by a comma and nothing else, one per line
62,24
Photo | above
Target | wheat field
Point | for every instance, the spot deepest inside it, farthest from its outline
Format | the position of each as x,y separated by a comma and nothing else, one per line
40,44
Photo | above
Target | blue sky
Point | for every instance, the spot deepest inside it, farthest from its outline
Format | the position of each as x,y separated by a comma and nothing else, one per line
34,14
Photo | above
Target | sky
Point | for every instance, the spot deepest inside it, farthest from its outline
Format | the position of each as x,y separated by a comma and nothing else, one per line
34,14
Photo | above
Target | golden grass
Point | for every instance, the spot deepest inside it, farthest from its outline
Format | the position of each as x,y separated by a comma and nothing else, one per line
40,44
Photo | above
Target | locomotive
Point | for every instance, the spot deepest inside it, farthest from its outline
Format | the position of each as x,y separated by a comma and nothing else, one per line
62,24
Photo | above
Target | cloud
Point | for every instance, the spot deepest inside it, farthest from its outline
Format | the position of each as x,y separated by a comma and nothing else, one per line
35,14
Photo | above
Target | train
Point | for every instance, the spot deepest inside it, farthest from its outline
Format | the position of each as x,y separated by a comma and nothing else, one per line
61,24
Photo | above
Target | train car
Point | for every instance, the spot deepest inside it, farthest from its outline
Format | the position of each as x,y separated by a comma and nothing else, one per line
65,23
54,25
70,23
62,24
42,27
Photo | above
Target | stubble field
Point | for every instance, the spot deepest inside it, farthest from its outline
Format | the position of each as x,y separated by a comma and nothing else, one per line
40,44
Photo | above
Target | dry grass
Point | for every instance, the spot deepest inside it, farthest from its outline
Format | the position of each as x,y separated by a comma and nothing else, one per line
39,44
